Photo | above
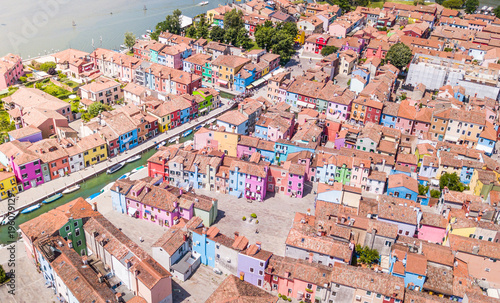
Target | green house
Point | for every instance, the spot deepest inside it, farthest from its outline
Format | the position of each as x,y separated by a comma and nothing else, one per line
343,174
207,72
73,231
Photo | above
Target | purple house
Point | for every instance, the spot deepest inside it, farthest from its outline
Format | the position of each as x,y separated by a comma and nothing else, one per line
161,204
26,134
353,43
252,263
25,164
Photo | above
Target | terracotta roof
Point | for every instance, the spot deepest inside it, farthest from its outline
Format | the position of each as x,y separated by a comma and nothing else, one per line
439,280
24,132
475,246
402,180
171,241
233,117
321,245
233,290
396,212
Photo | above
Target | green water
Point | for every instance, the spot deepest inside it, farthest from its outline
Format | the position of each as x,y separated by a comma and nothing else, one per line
87,188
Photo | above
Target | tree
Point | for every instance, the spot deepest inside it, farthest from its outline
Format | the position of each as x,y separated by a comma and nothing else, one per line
343,4
217,34
400,55
471,6
191,32
366,255
282,44
202,28
422,189
47,65
96,108
327,50
3,275
242,39
496,11
129,40
452,181
172,24
263,37
233,19
435,193
290,28
455,4
231,36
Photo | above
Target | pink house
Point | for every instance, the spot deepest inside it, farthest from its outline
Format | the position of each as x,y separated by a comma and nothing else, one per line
296,177
406,117
171,56
432,228
11,68
204,138
285,275
158,205
422,121
408,160
246,146
360,172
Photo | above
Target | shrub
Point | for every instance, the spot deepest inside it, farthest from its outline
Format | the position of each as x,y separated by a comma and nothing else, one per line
253,216
244,218
256,221
23,79
279,296
435,193
47,65
289,300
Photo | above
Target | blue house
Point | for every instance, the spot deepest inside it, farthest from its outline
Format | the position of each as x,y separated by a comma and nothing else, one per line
487,139
468,169
118,192
243,78
291,99
266,150
204,245
261,129
128,140
389,114
282,148
362,72
402,186
236,182
409,266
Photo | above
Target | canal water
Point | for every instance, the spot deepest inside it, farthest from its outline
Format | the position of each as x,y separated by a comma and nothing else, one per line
89,187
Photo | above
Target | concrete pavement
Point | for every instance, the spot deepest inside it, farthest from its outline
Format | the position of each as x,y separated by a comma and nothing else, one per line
39,193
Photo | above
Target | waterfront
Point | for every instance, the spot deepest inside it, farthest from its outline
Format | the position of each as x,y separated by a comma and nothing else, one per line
31,28
88,188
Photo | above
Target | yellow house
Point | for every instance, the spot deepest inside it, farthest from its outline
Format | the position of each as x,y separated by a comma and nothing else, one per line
220,10
8,184
94,149
228,142
164,114
448,164
301,37
460,227
227,66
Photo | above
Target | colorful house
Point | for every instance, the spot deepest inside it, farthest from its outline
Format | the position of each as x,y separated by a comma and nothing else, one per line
8,184
410,266
432,228
252,263
402,186
249,178
94,149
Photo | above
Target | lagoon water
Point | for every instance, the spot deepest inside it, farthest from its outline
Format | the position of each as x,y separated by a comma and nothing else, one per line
33,27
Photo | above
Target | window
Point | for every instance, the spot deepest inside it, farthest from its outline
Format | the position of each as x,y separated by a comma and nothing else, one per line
251,269
309,286
388,243
79,243
75,224
67,228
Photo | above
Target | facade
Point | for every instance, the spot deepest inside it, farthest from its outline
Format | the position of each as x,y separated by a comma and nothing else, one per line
11,69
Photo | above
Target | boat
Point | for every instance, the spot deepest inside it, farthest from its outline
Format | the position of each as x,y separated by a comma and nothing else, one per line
31,208
52,198
113,169
198,127
124,176
203,3
137,169
149,31
133,159
187,133
123,46
93,196
71,189
74,24
145,8
160,144
9,217
145,37
174,139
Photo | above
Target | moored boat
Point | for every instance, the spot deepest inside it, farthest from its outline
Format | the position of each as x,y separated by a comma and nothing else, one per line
71,189
160,144
31,208
124,176
137,169
187,133
93,196
174,139
115,168
9,217
133,159
52,198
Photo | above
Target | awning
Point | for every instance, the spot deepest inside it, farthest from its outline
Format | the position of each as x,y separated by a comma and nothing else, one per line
147,212
267,77
249,86
302,103
132,211
258,82
221,81
203,109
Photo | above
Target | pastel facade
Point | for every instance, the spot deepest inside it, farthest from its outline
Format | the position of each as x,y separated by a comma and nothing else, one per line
11,69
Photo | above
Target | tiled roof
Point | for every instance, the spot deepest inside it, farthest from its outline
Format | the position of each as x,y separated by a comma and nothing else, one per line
396,212
234,290
322,245
171,241
475,246
402,180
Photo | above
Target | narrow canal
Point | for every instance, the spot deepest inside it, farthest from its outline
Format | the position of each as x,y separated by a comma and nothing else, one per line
87,188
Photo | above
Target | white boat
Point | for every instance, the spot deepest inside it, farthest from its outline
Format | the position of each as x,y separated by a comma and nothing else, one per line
124,176
115,168
145,37
203,3
160,144
9,217
71,189
174,139
133,159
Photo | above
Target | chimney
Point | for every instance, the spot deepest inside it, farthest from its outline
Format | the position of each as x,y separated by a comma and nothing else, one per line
204,231
184,237
310,260
117,188
94,206
236,235
259,244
